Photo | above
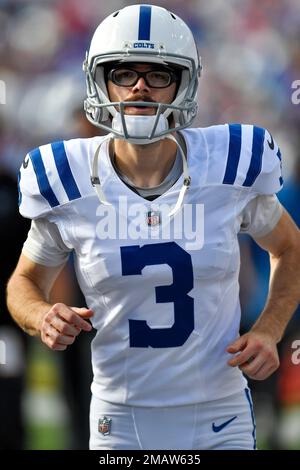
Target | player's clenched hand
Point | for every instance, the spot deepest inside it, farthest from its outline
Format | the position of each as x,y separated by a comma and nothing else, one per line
62,324
255,354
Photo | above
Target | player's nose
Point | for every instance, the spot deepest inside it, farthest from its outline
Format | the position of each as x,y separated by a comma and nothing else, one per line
141,85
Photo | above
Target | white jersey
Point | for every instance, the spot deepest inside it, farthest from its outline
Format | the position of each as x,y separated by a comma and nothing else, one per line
165,297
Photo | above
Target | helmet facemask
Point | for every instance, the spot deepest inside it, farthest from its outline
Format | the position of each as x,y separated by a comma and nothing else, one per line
99,108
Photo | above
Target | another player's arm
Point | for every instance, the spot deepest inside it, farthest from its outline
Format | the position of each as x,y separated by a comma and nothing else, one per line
257,352
28,301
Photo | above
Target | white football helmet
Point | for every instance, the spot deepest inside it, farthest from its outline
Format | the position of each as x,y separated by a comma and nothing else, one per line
142,33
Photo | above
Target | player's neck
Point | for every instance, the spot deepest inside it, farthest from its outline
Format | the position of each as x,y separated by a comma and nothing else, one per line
145,165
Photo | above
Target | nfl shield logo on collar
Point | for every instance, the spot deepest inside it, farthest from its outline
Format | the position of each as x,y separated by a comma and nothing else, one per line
153,218
104,425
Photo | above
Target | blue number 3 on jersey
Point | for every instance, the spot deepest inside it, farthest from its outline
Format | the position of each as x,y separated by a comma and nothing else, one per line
134,259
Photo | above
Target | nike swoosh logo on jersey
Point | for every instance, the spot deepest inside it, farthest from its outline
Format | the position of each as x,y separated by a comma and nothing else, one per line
219,428
271,144
25,163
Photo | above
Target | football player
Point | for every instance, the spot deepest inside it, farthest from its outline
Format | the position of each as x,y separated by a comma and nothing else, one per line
167,358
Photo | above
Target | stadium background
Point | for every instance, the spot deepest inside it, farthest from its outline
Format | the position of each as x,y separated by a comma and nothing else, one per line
251,57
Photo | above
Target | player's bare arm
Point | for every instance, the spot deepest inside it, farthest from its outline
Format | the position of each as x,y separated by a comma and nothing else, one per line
257,350
27,296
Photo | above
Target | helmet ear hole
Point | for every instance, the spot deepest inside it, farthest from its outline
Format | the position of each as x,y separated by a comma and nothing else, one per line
99,76
100,85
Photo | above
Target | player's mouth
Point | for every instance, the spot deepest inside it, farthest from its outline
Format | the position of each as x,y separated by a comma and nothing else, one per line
141,110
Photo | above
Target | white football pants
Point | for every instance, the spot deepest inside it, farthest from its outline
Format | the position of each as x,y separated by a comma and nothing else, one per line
227,423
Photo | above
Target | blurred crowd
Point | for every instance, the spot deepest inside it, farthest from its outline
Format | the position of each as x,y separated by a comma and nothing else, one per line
251,57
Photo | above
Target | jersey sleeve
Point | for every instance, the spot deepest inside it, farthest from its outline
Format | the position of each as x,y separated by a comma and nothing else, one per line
269,173
48,178
44,244
244,156
260,216
253,160
36,197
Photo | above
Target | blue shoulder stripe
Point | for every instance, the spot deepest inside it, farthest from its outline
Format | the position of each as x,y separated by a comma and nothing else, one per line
64,170
144,22
234,152
256,157
42,179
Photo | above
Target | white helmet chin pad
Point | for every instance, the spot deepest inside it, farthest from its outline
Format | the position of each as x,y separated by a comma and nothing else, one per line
140,129
142,34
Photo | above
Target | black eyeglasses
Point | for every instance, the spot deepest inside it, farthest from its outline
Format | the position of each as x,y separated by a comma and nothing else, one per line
160,78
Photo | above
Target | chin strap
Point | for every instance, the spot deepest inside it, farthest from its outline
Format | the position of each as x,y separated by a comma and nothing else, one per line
95,180
186,178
